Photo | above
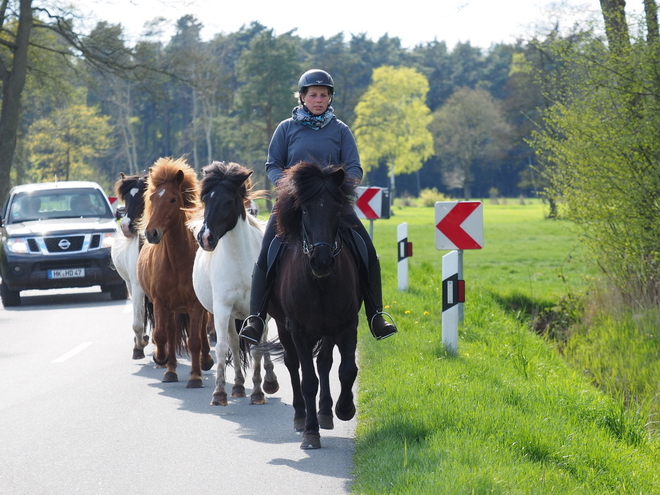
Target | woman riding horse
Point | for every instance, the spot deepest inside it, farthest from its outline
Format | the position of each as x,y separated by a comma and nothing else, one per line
313,132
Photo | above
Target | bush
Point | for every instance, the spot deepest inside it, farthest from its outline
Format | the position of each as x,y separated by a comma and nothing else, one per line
429,197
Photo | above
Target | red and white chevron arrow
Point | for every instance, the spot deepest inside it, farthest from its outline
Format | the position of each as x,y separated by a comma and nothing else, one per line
459,225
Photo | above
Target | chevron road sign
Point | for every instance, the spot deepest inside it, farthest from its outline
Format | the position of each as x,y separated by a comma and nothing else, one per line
459,225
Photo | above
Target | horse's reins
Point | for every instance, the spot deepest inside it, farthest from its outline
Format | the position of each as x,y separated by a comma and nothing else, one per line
308,248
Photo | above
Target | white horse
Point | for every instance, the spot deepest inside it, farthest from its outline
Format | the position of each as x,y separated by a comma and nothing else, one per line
125,251
230,239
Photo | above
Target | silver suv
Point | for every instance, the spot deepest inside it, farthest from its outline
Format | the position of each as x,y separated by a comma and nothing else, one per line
55,235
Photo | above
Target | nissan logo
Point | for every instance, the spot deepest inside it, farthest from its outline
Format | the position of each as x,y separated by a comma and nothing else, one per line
64,244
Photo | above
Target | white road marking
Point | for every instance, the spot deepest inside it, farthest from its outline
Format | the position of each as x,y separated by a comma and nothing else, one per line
72,352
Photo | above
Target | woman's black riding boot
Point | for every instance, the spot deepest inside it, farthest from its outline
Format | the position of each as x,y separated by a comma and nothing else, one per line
373,305
253,326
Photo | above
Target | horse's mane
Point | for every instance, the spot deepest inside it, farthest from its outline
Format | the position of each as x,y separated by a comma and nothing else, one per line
125,183
232,175
165,170
301,184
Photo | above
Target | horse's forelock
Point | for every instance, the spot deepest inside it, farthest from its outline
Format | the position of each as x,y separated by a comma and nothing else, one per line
165,170
126,183
231,175
303,183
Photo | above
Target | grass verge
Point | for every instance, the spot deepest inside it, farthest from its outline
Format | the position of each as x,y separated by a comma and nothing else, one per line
508,414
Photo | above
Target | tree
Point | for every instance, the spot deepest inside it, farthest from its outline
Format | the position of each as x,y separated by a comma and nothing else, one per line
13,70
391,122
18,20
267,99
66,144
468,128
601,143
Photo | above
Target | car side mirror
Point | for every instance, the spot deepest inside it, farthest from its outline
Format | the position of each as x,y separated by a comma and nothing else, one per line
120,213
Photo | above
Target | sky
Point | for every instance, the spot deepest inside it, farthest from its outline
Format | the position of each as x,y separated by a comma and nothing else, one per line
481,22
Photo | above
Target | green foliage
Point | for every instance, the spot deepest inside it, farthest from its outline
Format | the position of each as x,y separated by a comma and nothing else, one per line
65,145
391,121
469,127
507,414
602,145
429,197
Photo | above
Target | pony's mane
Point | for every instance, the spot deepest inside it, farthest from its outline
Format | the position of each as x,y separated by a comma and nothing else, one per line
165,170
232,175
301,184
125,183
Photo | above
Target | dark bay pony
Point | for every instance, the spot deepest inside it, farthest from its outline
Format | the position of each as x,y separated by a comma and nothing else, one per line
316,296
165,266
126,248
230,240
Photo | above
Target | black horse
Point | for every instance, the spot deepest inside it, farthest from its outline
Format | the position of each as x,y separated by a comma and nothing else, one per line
316,296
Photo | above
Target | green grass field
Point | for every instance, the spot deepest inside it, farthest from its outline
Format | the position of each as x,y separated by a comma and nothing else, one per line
508,413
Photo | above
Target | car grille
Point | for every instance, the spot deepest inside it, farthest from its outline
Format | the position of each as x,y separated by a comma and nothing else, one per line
64,244
67,244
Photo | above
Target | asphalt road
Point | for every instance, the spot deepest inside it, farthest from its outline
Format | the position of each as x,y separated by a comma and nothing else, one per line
78,415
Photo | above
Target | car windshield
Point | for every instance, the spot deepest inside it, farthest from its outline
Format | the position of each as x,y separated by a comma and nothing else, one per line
62,203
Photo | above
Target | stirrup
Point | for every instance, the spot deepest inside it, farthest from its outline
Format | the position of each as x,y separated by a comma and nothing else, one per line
371,326
248,332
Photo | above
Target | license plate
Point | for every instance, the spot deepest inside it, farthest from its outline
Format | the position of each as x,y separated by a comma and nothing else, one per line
68,273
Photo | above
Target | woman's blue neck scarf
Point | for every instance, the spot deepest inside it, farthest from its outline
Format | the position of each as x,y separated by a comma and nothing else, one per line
303,116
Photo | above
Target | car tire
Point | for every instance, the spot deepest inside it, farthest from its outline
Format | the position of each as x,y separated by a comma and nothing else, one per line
9,297
119,292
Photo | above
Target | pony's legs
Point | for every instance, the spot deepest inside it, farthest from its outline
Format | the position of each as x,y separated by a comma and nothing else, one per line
292,365
207,360
224,325
238,390
270,385
324,365
141,337
196,330
310,386
165,340
345,408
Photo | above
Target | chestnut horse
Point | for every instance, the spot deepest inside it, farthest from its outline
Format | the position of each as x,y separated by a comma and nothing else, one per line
230,240
316,295
165,269
126,248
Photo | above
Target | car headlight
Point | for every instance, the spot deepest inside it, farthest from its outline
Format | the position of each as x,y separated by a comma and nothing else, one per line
17,245
108,240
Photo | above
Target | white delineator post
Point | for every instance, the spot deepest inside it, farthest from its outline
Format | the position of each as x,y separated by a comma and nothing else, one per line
404,251
453,297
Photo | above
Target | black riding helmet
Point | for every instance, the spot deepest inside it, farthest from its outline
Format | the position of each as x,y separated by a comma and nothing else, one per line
316,77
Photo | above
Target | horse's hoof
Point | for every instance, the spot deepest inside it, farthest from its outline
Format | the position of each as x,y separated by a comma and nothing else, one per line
257,399
326,421
160,362
238,391
138,353
207,364
271,387
219,399
345,414
311,441
299,424
195,383
170,377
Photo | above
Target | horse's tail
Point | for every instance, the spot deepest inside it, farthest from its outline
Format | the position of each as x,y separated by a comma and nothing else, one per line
182,322
149,319
244,350
274,348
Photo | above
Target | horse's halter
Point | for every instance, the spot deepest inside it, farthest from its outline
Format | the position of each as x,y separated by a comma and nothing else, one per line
308,248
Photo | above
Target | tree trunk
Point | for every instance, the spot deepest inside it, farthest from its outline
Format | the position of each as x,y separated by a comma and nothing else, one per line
616,27
651,14
13,81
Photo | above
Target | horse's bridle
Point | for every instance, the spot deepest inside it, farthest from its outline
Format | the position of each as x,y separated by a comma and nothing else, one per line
308,248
